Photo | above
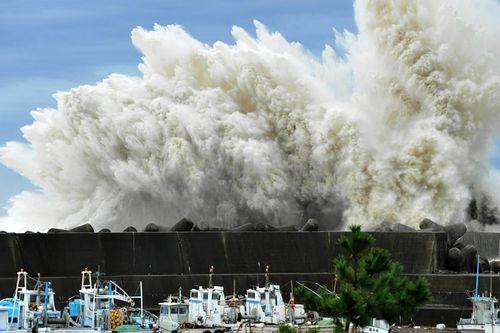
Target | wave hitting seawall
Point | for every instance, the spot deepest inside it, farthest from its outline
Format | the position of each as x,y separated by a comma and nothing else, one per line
394,130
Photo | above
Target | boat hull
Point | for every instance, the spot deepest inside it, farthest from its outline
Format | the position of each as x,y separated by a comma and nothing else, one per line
486,328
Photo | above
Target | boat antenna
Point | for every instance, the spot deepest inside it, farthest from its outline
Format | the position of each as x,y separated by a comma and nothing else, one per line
210,277
267,276
180,294
491,282
258,271
477,279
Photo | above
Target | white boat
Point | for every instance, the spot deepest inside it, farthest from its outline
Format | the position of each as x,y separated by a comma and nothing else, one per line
376,326
173,314
266,305
30,307
485,316
206,308
105,305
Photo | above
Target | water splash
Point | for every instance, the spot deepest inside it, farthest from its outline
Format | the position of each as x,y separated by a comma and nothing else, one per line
395,130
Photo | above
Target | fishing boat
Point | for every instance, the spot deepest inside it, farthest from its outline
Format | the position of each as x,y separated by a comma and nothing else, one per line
205,310
485,317
376,326
30,308
266,305
104,305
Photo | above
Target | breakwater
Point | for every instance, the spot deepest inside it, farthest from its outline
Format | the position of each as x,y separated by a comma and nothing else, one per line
166,260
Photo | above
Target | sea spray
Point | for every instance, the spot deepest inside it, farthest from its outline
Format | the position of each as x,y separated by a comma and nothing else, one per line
395,130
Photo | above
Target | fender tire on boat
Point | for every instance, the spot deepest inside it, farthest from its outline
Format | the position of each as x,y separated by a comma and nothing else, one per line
218,331
207,331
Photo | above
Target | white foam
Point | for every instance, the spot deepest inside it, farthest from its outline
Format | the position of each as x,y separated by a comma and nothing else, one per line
395,131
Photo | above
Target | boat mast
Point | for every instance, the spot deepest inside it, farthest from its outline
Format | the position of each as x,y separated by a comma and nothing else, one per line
477,280
210,277
267,276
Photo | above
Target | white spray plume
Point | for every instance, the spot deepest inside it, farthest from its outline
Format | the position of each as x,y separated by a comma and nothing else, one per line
395,131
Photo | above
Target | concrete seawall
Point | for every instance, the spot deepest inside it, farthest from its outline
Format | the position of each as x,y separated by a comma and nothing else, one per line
165,261
65,254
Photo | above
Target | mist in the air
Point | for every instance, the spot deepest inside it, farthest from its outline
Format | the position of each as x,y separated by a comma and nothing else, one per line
394,130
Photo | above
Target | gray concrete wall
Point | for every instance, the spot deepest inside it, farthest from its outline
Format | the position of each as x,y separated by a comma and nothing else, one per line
65,254
165,261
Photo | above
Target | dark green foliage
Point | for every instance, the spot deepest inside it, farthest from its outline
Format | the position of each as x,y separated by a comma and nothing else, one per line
286,329
371,285
483,210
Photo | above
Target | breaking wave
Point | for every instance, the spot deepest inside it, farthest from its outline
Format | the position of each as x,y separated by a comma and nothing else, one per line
394,130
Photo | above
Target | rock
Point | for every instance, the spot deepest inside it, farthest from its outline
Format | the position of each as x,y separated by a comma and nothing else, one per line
382,227
427,224
55,230
104,230
286,227
455,259
495,265
270,227
259,226
399,227
203,226
455,231
130,229
29,232
87,227
440,326
311,225
469,252
183,225
459,244
217,229
151,227
484,265
245,227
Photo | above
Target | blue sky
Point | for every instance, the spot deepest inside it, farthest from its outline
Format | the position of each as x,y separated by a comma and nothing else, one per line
53,45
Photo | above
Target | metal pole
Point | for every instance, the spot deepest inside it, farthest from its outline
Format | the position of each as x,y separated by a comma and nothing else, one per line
46,300
15,300
477,279
491,281
142,315
93,309
110,293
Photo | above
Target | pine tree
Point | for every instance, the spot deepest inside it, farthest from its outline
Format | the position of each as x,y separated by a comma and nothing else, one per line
371,285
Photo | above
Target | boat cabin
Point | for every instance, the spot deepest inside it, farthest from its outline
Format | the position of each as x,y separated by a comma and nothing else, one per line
206,305
485,310
173,314
261,301
30,305
376,326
